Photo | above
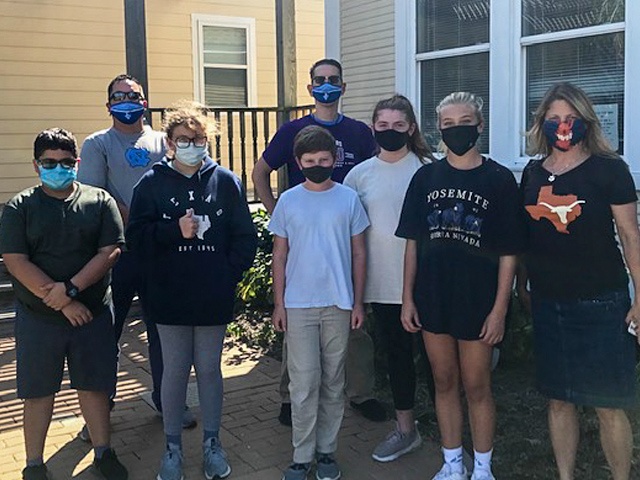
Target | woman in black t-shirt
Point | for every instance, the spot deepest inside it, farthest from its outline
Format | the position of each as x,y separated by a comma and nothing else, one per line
582,314
463,221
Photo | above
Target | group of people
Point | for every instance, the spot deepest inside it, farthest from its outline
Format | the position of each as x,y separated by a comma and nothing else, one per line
371,217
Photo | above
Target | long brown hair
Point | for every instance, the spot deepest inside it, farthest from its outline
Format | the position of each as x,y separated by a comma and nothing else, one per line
402,104
594,141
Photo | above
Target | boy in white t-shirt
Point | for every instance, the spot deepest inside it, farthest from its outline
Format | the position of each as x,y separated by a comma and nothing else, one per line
318,284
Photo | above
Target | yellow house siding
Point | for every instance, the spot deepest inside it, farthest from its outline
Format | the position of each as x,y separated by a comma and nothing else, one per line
309,43
367,53
56,57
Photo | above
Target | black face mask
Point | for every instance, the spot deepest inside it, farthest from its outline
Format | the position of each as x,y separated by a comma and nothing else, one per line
317,173
391,140
461,138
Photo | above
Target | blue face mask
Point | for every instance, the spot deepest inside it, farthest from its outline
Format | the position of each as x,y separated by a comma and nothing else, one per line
327,93
127,112
192,155
58,178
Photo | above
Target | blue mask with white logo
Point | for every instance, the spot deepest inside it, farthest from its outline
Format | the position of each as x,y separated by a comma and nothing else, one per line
58,178
327,93
127,112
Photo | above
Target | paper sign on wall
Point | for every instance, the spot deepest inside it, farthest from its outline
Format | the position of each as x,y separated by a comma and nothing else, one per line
608,116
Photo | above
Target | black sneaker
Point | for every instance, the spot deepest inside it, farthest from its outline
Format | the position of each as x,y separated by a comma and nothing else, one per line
37,472
371,409
110,467
285,414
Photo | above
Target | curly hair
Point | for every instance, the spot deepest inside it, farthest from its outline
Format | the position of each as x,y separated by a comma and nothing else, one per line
189,114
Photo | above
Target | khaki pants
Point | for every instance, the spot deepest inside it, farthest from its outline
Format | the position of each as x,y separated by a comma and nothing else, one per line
359,368
317,339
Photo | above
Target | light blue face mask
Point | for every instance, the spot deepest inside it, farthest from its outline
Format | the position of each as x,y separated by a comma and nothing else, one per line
192,155
58,178
327,93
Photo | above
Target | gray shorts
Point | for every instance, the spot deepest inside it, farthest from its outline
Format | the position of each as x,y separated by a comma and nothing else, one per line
43,346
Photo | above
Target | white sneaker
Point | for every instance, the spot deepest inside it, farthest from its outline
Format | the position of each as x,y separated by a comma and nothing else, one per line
481,474
446,473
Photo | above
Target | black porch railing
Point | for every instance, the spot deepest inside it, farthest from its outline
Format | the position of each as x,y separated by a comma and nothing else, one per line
243,134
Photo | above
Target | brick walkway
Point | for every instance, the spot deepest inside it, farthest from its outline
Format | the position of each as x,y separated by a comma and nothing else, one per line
258,446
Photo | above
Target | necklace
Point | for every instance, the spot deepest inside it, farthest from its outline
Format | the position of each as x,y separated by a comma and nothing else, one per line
559,172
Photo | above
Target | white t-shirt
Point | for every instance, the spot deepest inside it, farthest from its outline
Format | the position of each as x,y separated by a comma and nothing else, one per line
318,227
381,187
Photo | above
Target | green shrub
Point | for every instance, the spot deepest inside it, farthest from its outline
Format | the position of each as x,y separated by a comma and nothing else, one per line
255,295
255,289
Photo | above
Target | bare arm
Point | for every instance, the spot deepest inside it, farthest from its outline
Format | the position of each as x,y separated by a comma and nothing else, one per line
30,275
493,328
278,265
95,269
359,273
27,273
409,315
626,220
261,177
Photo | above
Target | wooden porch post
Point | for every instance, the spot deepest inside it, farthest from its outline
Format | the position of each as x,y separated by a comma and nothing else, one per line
286,68
135,31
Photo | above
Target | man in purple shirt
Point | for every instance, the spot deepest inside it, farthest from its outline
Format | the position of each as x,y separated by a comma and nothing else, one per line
354,143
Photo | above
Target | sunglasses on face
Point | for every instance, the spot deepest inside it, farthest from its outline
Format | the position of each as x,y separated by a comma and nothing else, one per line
51,163
122,96
184,142
332,79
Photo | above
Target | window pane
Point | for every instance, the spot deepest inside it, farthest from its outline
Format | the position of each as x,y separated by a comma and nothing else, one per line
595,64
543,16
225,87
443,76
224,45
446,24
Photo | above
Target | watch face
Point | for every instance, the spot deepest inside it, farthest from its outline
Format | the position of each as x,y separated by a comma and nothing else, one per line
72,291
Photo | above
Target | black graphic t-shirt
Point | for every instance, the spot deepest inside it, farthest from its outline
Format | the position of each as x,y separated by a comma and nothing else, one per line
463,221
573,251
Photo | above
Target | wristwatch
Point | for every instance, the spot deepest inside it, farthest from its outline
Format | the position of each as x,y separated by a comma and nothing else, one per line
72,291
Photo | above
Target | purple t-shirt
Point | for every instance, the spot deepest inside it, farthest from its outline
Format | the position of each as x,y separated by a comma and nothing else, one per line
353,138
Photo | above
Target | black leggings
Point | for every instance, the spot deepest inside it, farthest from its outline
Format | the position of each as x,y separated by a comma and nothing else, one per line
399,346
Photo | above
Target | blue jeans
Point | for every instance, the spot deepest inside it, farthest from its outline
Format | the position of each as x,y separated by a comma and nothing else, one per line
126,281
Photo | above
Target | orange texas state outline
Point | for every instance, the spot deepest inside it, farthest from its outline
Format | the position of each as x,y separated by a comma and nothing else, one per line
560,210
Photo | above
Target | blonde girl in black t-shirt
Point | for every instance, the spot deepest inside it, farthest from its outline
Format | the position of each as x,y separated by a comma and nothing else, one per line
462,219
575,194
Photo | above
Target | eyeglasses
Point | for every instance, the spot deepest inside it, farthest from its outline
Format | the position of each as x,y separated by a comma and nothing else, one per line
122,96
332,79
184,142
51,163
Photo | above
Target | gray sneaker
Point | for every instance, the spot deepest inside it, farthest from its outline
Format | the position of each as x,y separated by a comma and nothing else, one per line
297,471
397,444
214,460
171,467
327,467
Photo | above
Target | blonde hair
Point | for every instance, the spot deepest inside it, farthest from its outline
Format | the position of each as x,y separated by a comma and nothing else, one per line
190,114
460,98
594,141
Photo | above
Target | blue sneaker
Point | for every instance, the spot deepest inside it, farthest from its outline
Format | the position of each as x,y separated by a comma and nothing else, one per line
327,467
214,460
297,471
171,467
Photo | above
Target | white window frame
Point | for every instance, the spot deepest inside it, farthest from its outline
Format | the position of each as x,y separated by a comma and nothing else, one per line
507,73
198,21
